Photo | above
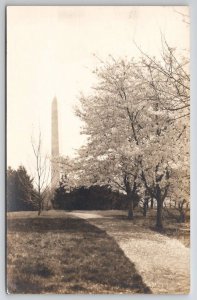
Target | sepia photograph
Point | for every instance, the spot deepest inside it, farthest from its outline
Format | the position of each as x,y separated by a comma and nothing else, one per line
98,150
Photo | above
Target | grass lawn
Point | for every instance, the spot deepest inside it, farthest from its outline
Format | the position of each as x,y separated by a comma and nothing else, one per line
172,228
51,254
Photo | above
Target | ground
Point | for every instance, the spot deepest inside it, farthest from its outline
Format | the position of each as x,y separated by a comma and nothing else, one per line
162,262
91,252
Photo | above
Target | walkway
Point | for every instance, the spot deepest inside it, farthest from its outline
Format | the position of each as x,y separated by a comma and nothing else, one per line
162,262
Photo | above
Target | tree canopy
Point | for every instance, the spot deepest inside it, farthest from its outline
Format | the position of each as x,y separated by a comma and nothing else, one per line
20,191
137,123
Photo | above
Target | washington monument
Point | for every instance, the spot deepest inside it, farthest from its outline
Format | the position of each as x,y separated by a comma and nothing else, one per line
55,172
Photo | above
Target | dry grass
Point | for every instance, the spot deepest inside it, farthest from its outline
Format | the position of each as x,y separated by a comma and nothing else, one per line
56,253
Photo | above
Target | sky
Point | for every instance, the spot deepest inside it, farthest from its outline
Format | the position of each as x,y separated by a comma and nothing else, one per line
52,51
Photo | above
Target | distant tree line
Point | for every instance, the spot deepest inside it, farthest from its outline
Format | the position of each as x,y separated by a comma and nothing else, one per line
22,196
89,198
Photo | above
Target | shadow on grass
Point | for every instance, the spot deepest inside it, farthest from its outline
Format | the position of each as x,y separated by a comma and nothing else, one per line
81,258
42,225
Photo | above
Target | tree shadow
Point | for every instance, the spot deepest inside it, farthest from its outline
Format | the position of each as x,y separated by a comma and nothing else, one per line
89,258
41,225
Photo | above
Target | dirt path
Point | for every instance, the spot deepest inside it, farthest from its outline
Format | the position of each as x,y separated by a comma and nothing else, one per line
162,262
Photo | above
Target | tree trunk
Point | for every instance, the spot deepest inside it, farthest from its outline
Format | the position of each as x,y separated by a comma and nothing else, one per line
130,197
42,205
144,210
145,206
39,211
39,207
182,216
151,203
159,223
130,207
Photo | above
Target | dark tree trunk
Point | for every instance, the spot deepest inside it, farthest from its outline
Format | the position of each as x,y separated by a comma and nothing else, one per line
145,207
130,207
147,204
42,205
182,217
144,210
151,203
182,212
39,207
131,194
39,210
159,198
159,223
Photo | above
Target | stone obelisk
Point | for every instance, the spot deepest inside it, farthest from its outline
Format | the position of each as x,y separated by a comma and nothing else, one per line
55,172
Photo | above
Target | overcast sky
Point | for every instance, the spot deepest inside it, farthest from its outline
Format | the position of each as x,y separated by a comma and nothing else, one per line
50,53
